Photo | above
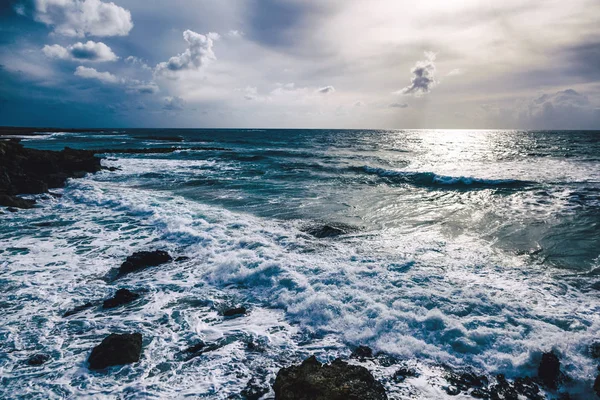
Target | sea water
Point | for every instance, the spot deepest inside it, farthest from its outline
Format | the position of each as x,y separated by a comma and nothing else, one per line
470,249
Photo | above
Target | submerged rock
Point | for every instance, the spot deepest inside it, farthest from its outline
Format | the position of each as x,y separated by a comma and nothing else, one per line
143,259
122,296
116,349
339,380
38,359
549,370
78,309
234,312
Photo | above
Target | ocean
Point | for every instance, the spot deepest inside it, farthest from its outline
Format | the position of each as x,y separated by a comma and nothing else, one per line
466,249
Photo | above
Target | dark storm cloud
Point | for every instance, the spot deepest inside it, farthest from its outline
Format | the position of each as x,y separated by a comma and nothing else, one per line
583,60
423,77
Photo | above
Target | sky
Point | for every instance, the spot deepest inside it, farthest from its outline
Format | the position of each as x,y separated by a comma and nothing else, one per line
381,64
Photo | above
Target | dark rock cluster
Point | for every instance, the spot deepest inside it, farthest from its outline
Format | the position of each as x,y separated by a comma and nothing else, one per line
143,259
339,380
30,171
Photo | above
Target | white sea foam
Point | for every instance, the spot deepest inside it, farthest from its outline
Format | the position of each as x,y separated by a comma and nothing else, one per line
407,292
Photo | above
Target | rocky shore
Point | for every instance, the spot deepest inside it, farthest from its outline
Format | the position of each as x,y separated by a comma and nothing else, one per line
29,171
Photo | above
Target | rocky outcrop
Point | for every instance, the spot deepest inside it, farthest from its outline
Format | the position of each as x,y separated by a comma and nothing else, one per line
549,370
235,312
143,259
116,349
339,380
38,359
15,202
329,230
121,297
30,171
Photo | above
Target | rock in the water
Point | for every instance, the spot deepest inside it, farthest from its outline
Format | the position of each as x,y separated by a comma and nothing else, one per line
116,349
339,380
16,202
38,359
255,389
122,296
234,312
404,372
181,259
595,350
78,309
549,370
329,231
597,385
362,352
143,259
30,171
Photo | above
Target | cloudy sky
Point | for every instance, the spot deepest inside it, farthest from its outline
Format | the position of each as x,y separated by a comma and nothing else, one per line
531,64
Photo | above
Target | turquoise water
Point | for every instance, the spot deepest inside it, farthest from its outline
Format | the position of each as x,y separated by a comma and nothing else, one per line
469,248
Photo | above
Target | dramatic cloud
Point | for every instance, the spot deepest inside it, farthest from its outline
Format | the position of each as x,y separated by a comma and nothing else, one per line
173,103
326,90
90,51
83,17
398,105
198,53
91,73
423,76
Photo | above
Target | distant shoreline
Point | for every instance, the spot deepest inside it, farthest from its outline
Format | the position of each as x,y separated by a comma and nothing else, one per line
29,131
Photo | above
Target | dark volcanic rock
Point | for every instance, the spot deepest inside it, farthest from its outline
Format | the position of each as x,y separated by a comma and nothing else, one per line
143,259
116,349
362,352
597,385
38,359
329,231
404,372
78,309
255,389
233,312
549,370
122,296
339,380
30,171
14,201
595,350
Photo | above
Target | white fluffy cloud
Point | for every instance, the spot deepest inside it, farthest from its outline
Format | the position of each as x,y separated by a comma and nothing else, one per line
91,73
131,85
198,53
423,76
83,17
90,51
